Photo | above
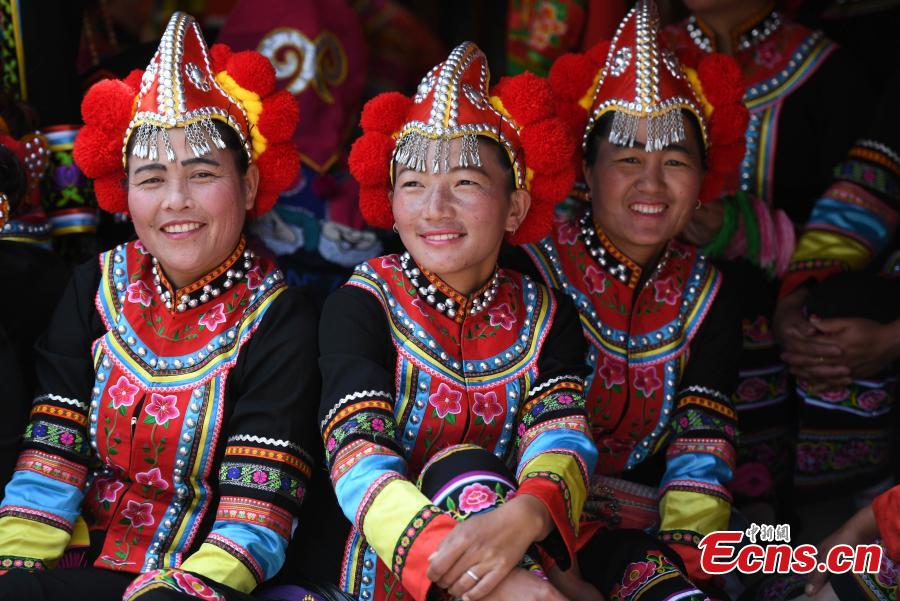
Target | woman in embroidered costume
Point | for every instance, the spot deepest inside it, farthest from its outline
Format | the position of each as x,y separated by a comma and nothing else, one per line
163,456
799,85
441,370
662,332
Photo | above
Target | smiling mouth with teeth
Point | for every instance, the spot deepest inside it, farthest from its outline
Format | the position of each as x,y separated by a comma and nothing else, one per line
180,228
647,209
442,237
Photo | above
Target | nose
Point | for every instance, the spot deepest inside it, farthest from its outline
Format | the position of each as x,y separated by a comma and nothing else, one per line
651,179
439,204
177,195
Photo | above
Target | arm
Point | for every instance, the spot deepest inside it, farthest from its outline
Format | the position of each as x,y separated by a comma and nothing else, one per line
700,457
43,499
266,465
364,456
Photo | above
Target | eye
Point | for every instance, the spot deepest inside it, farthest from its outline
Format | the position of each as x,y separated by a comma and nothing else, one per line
467,182
149,181
204,174
628,160
411,184
675,163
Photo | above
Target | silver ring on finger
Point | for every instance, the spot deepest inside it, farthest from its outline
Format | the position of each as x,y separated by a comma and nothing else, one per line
472,575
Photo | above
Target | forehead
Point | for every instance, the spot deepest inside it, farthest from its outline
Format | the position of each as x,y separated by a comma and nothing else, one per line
690,142
175,139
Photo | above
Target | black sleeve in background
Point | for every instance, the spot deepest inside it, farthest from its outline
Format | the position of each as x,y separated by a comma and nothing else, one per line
716,348
15,410
564,352
63,362
516,259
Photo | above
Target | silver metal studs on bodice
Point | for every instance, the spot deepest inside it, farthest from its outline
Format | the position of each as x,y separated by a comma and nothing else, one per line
437,299
232,276
598,252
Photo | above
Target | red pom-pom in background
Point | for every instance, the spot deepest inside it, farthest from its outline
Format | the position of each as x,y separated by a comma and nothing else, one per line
375,206
526,97
97,153
386,113
108,105
572,76
728,124
110,193
721,79
279,117
547,144
370,159
219,55
252,71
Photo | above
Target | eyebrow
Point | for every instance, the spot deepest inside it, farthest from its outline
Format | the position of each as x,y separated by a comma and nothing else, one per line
641,145
184,163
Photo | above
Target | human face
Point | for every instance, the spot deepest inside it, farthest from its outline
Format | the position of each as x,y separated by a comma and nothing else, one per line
643,199
189,213
453,223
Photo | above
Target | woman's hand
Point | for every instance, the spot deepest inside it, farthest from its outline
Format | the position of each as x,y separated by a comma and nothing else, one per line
859,530
809,355
481,551
705,223
572,586
868,347
521,585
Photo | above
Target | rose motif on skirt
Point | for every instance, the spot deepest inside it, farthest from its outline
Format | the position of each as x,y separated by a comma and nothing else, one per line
476,497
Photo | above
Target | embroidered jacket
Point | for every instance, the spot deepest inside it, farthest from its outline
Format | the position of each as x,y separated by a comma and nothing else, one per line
403,380
172,436
663,356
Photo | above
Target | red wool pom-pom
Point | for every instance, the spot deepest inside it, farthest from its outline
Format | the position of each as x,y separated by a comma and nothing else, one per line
712,187
536,225
279,117
725,158
575,119
375,207
572,76
97,153
551,188
526,97
110,193
108,105
721,79
728,123
252,71
599,52
370,159
219,55
133,80
278,166
386,113
547,144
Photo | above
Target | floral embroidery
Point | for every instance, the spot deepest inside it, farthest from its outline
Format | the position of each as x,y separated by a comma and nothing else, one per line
212,318
419,304
568,233
646,381
11,562
595,280
139,514
162,408
666,291
108,490
139,293
636,574
392,262
476,497
751,479
757,331
612,372
262,478
767,55
194,586
547,25
254,278
122,393
834,395
752,389
445,400
871,399
152,478
486,406
503,316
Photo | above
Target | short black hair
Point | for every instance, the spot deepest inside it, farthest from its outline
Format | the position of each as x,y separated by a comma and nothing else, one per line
12,178
603,125
229,137
503,158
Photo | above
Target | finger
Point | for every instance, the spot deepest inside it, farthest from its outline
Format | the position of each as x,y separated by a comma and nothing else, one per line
799,326
814,583
447,554
464,583
485,585
813,363
818,346
458,570
830,326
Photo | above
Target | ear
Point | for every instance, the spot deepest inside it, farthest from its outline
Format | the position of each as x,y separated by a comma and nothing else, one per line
586,171
251,185
519,203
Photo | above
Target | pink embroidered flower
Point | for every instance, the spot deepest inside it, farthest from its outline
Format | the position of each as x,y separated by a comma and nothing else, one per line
567,233
757,330
139,514
139,293
521,430
871,399
162,407
811,457
502,315
331,444
392,262
888,572
152,478
476,497
378,424
254,278
752,389
565,399
612,372
421,305
212,318
767,55
751,479
260,477
192,585
122,393
139,246
834,395
486,406
646,380
67,438
595,280
108,490
636,574
445,400
666,291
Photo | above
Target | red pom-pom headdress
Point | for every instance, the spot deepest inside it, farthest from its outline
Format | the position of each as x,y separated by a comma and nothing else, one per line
453,101
641,78
186,85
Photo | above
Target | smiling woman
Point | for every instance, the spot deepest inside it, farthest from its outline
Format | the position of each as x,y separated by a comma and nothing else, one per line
166,455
